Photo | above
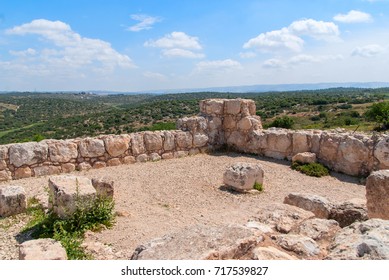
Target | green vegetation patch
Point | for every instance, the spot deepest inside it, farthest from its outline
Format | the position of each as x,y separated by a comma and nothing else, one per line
257,186
92,215
311,169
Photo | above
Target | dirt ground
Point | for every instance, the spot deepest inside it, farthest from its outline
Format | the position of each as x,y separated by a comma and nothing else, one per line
156,198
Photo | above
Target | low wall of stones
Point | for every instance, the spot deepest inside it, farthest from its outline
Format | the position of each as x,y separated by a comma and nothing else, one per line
221,122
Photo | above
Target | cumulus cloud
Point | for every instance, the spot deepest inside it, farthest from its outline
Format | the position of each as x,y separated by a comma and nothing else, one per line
353,16
289,38
155,75
298,60
247,54
24,53
368,50
224,65
72,50
175,40
177,44
145,22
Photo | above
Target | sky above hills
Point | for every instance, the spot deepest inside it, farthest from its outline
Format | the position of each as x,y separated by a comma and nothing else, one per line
146,45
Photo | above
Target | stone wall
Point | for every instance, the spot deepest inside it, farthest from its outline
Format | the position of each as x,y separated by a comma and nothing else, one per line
230,122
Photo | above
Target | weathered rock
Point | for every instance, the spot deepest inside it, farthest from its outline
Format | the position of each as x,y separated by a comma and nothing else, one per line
377,194
244,124
229,122
153,141
3,152
320,206
270,253
184,139
200,140
137,144
103,187
23,172
117,145
28,153
69,192
62,151
300,142
381,152
3,164
99,164
91,147
195,124
318,229
42,249
348,212
194,151
242,176
129,160
114,162
142,158
84,166
279,143
167,156
329,149
237,140
282,217
212,107
301,245
68,167
5,175
155,157
46,170
168,140
201,242
367,240
264,228
232,106
12,200
305,157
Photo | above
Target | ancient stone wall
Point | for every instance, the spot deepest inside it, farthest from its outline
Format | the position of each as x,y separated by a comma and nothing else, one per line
230,122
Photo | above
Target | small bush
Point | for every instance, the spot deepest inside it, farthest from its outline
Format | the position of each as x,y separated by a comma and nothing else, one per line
311,169
283,122
257,186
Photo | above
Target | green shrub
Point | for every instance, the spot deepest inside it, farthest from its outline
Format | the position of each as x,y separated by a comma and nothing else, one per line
311,169
379,112
257,186
283,122
89,215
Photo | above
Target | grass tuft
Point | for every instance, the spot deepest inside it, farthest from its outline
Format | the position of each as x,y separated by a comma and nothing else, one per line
257,186
311,169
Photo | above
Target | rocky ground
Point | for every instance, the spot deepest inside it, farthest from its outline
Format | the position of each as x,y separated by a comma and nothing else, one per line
158,198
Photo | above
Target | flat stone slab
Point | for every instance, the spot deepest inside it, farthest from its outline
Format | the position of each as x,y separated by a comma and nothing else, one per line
42,249
377,194
12,200
67,192
318,205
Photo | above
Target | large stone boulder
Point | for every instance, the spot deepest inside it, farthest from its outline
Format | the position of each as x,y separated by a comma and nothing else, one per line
349,212
242,176
305,157
91,147
137,144
320,206
318,229
62,151
28,153
68,193
381,152
42,249
153,141
201,242
117,145
281,217
377,194
301,245
103,187
12,200
367,240
271,253
279,143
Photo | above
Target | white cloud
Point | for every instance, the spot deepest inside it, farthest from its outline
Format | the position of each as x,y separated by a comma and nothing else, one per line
155,75
71,49
145,22
289,38
247,54
353,16
224,65
298,60
181,53
175,40
368,50
273,63
28,52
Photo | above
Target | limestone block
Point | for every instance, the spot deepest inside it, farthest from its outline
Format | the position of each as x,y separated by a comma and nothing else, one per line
237,139
212,107
69,192
270,253
318,229
300,142
279,144
62,151
214,123
42,249
28,153
99,164
244,124
194,151
377,194
3,164
4,152
181,154
129,160
103,187
142,158
247,107
381,152
12,200
349,212
184,139
200,140
5,175
84,166
153,141
46,170
301,245
91,147
305,157
167,156
318,205
117,145
155,157
168,141
192,124
23,172
113,162
242,176
68,167
329,148
229,122
232,106
257,141
137,144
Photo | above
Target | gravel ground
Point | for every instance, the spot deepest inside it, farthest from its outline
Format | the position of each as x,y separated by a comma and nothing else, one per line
156,198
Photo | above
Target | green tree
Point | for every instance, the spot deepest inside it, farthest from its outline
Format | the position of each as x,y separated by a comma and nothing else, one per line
284,122
379,112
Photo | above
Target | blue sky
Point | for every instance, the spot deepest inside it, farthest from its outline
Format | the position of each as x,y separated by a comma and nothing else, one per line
143,45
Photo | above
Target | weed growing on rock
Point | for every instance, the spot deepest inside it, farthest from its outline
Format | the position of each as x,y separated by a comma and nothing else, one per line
311,169
257,186
89,215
